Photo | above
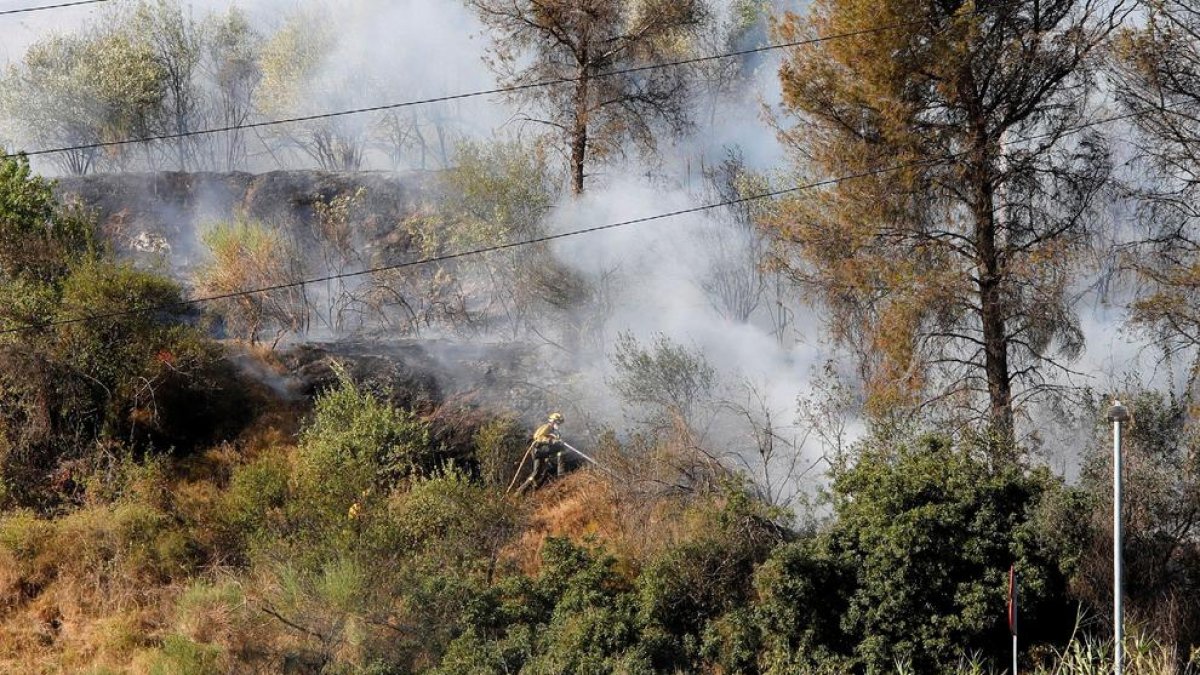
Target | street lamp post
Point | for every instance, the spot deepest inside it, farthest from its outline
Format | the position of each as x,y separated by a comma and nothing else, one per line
1118,415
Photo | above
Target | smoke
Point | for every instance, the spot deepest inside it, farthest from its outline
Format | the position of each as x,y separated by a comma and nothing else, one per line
657,275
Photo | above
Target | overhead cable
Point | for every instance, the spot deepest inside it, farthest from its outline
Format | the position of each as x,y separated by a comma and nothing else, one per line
26,10
545,238
472,94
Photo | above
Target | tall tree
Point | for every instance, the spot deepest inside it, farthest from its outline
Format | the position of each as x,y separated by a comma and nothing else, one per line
581,41
952,274
176,41
1158,79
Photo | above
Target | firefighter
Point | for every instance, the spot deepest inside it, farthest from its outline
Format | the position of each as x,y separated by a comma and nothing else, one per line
546,444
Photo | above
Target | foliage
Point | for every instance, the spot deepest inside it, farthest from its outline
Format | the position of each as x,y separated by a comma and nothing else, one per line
175,41
39,239
583,42
734,280
946,264
356,446
665,381
72,390
1161,516
577,616
230,62
497,194
100,85
499,445
929,529
1157,66
690,593
144,69
299,68
801,598
245,255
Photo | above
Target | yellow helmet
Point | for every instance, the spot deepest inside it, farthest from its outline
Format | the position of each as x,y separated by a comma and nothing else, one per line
556,417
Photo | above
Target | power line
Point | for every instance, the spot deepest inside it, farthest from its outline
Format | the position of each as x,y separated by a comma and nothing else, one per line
60,5
473,94
547,238
460,254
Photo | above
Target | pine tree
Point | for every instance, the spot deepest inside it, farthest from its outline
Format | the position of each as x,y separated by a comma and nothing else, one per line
951,274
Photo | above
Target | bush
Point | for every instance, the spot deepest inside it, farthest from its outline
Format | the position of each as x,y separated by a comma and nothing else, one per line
247,254
801,593
181,656
256,499
499,445
578,616
356,448
1161,450
103,374
693,583
930,529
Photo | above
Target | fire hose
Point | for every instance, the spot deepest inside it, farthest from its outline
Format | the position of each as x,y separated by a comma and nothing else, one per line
573,449
598,465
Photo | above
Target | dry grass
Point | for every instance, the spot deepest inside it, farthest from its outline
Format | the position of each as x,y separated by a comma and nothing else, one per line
587,506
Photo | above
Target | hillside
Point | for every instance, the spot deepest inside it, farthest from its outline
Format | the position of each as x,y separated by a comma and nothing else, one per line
146,215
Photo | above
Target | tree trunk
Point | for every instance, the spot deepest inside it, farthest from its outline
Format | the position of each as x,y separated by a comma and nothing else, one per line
579,134
992,311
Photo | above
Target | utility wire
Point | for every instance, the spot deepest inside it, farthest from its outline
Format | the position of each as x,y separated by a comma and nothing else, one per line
546,238
474,94
60,5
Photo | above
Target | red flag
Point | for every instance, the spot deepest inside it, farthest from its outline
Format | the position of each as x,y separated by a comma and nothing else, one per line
1012,599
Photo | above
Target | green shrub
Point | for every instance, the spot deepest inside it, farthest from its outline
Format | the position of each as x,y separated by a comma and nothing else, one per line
24,534
181,656
930,529
355,446
68,393
499,445
695,582
257,496
801,594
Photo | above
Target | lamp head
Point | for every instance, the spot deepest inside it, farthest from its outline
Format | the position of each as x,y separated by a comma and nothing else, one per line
1118,413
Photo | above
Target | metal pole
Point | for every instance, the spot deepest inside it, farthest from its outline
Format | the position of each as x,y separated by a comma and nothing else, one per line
1117,414
1013,612
1014,620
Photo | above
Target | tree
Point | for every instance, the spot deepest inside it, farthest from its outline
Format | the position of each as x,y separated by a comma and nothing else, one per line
96,86
734,279
499,194
948,265
177,42
299,76
1158,80
669,391
594,113
231,64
